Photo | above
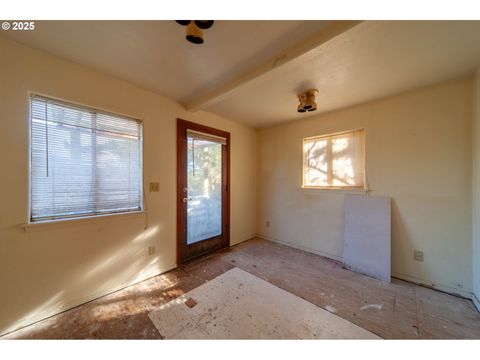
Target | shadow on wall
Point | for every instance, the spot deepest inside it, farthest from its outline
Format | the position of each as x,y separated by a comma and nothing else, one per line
116,310
403,247
401,240
105,266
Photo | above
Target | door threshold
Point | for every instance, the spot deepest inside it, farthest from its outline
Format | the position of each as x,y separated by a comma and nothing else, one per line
204,256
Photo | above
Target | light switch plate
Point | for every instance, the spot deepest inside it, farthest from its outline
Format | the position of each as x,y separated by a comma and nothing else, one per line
151,250
417,255
154,187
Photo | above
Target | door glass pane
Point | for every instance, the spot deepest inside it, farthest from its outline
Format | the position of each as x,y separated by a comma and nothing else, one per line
204,210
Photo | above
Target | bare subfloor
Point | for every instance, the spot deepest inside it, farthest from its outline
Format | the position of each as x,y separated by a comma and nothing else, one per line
392,311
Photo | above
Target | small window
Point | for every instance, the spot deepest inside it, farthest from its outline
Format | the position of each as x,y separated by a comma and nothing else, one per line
84,162
334,161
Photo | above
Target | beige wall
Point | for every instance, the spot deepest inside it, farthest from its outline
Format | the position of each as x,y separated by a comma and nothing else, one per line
476,188
52,268
418,151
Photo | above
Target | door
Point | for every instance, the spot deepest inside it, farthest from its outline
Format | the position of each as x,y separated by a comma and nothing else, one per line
203,200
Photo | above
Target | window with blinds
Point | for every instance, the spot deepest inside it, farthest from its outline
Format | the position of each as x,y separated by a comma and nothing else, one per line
334,161
84,162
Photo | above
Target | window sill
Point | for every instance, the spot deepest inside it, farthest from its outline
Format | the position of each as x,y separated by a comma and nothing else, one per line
333,189
50,224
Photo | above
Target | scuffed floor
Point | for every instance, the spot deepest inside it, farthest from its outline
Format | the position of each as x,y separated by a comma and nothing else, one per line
396,310
239,305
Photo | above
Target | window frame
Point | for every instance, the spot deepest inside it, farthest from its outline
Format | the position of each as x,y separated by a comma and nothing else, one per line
69,218
336,187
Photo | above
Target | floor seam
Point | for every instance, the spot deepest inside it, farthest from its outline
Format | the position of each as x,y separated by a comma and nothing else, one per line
416,313
302,297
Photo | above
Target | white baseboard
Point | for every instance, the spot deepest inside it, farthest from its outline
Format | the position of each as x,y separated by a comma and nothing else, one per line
300,247
476,301
445,288
68,305
241,241
435,286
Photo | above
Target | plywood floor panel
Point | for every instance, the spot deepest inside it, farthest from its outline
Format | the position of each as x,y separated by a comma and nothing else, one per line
239,305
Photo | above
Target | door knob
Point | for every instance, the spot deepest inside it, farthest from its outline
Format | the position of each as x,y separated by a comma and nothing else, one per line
186,199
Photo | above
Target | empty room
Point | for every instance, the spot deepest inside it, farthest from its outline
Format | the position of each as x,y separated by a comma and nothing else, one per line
239,179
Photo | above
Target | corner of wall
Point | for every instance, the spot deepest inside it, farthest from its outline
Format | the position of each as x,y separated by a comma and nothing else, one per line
476,189
476,301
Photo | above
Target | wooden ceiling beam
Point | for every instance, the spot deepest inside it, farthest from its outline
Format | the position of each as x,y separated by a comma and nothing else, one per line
220,93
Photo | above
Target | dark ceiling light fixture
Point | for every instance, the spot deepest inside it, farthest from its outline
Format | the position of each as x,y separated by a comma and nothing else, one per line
307,101
204,24
195,29
194,34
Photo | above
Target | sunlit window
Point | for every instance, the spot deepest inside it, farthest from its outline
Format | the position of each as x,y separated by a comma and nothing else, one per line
334,161
83,162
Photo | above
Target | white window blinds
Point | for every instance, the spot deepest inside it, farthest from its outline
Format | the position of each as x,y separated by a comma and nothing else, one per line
83,162
336,160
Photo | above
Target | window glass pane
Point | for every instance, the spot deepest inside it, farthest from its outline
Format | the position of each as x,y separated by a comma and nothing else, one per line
316,162
335,160
204,211
342,161
79,168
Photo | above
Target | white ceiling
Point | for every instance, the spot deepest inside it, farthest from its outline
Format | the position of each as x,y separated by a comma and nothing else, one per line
155,54
371,60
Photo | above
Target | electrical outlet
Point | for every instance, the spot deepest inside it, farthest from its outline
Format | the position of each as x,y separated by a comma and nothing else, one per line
151,250
154,187
267,223
418,255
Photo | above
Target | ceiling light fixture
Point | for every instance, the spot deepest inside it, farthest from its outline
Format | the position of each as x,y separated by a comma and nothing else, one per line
195,29
307,101
303,99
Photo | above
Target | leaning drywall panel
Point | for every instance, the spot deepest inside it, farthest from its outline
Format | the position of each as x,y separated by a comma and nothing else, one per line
367,246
